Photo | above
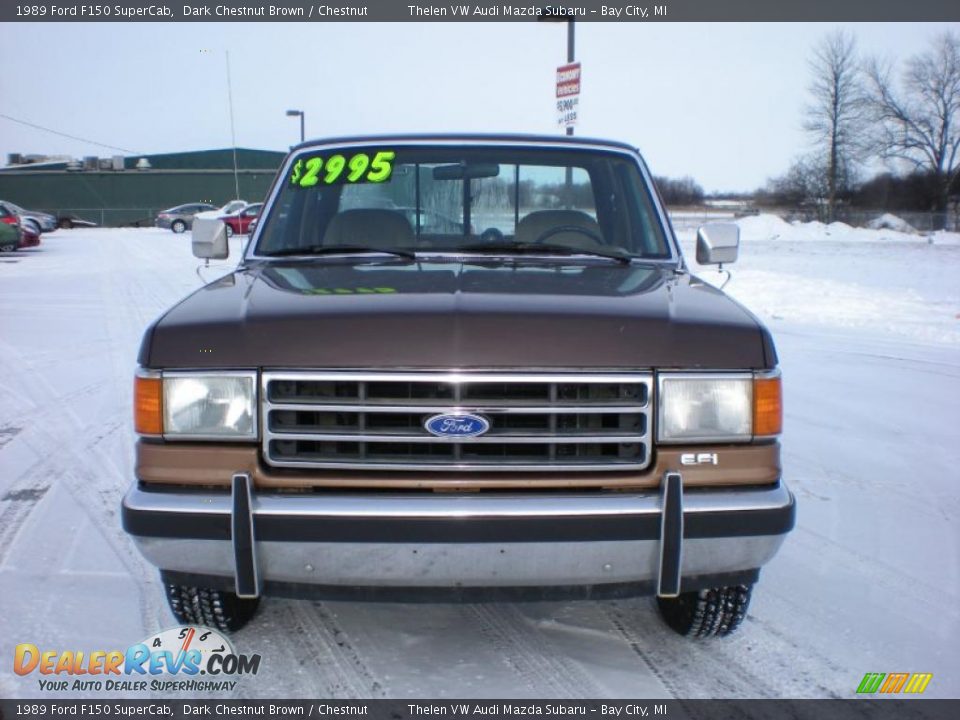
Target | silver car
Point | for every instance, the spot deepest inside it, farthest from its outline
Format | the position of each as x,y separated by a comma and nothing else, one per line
180,218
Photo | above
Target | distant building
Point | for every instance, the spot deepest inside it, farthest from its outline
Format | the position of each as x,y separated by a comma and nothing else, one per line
131,190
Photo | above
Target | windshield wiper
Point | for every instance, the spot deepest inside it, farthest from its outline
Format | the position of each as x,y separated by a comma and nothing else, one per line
545,248
340,250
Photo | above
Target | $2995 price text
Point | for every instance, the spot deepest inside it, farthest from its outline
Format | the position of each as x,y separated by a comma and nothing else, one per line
340,169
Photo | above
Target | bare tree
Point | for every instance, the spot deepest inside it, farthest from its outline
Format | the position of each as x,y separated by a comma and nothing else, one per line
920,120
837,117
803,184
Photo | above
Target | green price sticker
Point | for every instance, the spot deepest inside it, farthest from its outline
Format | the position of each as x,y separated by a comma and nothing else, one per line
340,169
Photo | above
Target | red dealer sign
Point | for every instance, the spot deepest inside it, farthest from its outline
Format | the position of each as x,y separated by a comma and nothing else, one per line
568,94
568,80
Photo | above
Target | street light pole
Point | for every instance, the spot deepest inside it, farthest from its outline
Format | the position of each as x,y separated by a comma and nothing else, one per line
302,114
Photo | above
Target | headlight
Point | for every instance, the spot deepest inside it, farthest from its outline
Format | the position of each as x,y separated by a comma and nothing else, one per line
199,406
721,407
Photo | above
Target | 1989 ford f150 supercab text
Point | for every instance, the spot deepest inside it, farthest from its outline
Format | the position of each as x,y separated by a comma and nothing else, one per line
457,367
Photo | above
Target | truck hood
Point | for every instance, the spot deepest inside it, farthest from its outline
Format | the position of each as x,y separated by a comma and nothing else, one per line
459,315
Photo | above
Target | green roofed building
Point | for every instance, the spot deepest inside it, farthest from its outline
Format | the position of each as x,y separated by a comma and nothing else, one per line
115,191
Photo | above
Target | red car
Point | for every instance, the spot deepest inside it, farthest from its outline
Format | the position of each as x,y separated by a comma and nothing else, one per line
28,237
238,223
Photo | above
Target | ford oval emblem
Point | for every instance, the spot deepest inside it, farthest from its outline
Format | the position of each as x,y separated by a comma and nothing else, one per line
453,425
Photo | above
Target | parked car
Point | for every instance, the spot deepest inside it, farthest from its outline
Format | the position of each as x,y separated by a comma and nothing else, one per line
68,222
180,218
230,208
559,408
238,223
28,237
36,220
16,234
9,231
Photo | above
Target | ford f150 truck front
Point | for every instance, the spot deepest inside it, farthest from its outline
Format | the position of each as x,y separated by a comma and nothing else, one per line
530,398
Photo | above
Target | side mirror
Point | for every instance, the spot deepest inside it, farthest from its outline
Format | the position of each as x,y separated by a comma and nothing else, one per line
210,239
717,243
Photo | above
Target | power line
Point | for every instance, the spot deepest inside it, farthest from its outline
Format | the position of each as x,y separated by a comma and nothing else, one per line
72,137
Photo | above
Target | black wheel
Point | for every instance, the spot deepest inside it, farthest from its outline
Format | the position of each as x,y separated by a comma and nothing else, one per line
716,612
178,226
65,223
219,609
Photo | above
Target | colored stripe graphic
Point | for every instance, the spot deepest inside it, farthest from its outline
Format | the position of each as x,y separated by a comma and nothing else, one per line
871,682
892,683
918,682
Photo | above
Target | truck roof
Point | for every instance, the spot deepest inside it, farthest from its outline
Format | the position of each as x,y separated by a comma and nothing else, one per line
492,138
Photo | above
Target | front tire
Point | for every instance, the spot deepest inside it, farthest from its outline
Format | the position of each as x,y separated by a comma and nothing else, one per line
65,223
716,612
178,226
219,609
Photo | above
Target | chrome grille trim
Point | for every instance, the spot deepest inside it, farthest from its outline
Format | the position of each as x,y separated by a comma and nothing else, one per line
539,422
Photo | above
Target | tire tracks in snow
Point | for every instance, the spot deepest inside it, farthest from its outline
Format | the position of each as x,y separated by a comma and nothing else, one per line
938,598
71,451
86,470
759,661
523,647
318,658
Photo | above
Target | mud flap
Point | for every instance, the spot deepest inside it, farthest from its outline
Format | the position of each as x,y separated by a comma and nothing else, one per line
671,536
246,573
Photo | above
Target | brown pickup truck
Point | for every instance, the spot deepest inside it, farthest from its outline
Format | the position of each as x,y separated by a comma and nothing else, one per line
460,367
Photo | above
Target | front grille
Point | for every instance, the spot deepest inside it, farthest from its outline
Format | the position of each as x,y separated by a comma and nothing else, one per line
364,421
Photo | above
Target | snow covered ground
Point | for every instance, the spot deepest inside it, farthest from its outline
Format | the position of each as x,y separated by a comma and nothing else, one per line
867,324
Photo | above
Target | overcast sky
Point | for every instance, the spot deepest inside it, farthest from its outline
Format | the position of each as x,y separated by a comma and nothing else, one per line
721,102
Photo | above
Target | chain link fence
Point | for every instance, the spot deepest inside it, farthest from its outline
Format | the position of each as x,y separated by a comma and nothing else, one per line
922,222
109,217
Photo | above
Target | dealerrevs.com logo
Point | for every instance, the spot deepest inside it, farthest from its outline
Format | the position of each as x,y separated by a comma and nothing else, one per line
189,659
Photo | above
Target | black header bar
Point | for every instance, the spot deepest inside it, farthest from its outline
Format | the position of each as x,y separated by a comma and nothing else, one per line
482,11
640,709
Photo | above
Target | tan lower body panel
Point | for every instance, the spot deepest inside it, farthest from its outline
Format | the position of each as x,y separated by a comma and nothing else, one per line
214,465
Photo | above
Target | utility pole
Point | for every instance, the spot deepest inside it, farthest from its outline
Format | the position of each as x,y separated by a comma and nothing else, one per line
570,59
233,132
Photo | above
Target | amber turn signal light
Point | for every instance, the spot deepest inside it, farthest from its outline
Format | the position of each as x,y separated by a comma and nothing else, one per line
147,405
767,406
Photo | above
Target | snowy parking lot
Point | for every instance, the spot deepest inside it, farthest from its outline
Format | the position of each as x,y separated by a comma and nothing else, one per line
867,325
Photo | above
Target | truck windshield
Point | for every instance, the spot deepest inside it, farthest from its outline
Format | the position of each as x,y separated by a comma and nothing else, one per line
452,199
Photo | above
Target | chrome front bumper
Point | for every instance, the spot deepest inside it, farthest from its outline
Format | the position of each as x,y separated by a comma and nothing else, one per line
665,540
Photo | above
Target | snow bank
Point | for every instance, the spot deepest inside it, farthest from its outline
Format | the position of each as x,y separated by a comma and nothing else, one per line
891,222
763,227
836,277
772,227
